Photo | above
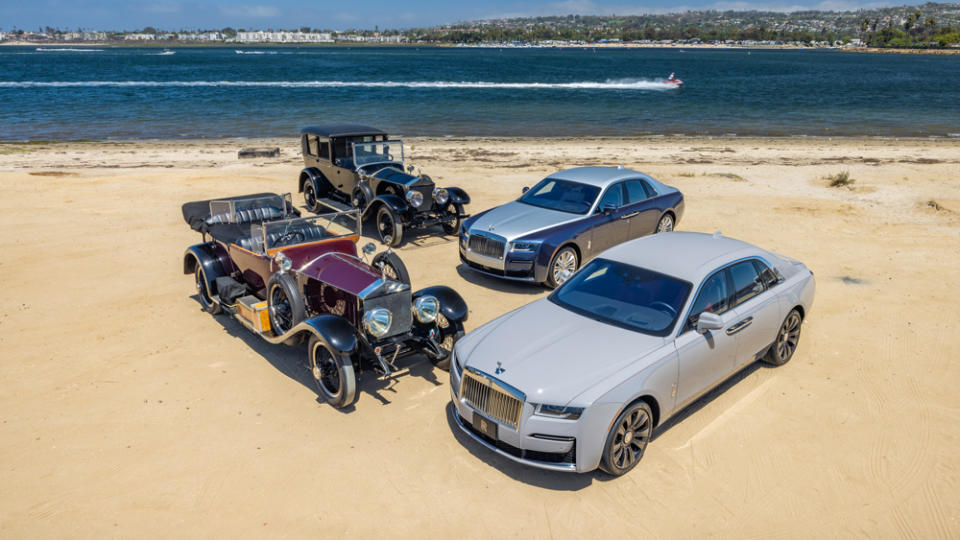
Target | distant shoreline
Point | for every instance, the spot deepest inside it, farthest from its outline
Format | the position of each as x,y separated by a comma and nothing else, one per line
171,45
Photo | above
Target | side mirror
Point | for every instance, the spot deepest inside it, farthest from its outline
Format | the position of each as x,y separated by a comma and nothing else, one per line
709,321
525,189
369,248
608,208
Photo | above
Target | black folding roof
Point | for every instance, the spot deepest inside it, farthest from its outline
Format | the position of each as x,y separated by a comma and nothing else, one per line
342,130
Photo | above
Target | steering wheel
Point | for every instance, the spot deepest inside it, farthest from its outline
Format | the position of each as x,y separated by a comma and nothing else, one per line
291,236
665,307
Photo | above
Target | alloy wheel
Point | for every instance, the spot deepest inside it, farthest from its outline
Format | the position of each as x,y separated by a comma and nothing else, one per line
789,336
666,224
631,438
564,266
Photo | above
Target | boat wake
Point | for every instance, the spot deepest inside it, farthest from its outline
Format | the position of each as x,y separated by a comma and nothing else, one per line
610,84
62,49
238,51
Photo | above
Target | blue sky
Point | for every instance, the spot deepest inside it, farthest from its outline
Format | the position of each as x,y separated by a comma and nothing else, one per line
260,14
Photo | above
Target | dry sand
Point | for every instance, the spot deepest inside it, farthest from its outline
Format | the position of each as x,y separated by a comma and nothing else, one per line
125,411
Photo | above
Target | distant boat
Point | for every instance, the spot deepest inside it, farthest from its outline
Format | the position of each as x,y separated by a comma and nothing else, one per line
673,81
167,52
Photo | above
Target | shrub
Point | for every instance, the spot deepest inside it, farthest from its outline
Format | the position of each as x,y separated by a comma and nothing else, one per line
841,179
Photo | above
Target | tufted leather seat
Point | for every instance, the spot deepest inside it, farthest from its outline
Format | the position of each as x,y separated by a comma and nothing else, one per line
302,234
249,215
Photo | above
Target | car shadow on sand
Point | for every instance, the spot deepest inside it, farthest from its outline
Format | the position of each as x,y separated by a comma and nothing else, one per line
565,481
291,360
502,285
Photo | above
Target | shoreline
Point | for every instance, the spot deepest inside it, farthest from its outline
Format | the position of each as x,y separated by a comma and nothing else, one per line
701,46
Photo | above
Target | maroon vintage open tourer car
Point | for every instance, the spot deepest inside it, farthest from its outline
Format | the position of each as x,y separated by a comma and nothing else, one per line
288,278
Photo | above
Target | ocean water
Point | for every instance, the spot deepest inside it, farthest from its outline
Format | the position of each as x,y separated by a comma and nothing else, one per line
129,93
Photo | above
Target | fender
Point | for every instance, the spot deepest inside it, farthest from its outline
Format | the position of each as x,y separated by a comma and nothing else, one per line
452,305
458,195
204,255
389,199
314,175
334,332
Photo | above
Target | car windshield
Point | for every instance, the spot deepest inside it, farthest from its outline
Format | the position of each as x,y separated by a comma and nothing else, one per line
623,295
368,153
286,233
562,195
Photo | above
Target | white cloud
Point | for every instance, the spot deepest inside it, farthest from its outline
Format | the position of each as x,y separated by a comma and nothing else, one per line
250,11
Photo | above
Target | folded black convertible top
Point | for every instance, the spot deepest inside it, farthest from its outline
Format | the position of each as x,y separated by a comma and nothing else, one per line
195,213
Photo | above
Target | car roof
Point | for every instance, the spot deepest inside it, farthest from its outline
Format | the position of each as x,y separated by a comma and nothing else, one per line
342,130
598,176
686,255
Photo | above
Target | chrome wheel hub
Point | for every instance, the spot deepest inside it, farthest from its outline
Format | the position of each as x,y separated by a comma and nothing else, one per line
666,224
317,374
565,266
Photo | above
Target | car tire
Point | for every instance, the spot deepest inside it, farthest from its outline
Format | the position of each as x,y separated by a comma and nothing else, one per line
628,439
203,292
666,223
453,227
450,334
333,374
564,264
788,337
392,267
389,226
359,200
284,304
310,196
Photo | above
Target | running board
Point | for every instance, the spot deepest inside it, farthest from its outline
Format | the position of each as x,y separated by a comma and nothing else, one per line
334,204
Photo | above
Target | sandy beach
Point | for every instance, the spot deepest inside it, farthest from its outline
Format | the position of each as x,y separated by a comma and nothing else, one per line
126,411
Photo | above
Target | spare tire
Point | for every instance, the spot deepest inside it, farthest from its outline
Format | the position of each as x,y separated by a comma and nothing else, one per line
285,304
391,266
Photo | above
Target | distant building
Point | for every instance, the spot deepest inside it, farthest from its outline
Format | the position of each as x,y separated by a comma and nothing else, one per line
140,37
283,37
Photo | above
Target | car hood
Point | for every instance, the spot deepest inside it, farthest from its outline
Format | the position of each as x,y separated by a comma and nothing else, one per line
552,354
516,219
340,270
392,174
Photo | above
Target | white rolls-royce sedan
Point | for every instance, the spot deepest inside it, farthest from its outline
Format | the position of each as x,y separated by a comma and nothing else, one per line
579,379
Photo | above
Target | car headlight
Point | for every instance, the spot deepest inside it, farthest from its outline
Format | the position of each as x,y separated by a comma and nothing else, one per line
525,246
426,308
415,198
282,261
441,195
377,321
556,411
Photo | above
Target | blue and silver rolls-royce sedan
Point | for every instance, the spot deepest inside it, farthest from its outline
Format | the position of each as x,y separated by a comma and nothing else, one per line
566,219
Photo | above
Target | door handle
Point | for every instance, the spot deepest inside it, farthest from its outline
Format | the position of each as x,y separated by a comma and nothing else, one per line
630,215
739,326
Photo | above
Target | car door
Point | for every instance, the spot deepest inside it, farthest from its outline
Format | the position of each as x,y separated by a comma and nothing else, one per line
705,359
757,308
609,229
643,213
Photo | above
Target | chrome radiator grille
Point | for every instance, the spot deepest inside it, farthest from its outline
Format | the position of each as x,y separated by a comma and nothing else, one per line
486,246
486,396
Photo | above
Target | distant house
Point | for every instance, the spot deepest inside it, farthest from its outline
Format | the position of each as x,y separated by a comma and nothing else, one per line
140,37
283,37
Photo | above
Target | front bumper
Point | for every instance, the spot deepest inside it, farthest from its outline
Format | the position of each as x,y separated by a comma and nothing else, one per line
540,442
514,270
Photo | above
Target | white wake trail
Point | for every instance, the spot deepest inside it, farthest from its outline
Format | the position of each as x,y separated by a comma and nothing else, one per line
620,84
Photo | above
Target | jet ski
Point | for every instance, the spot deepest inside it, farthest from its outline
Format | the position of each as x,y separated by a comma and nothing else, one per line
673,81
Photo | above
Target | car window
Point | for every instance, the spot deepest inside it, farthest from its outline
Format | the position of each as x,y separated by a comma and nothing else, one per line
648,188
614,194
312,145
768,277
713,298
324,150
746,282
636,191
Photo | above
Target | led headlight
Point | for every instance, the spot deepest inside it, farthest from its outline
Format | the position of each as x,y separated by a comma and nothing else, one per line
524,246
441,195
377,321
415,198
556,411
282,261
426,309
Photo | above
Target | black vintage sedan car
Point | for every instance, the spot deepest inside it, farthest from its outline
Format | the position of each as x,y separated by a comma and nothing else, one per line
566,219
353,166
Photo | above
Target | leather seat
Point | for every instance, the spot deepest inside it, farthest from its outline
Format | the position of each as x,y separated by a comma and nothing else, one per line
307,234
248,215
